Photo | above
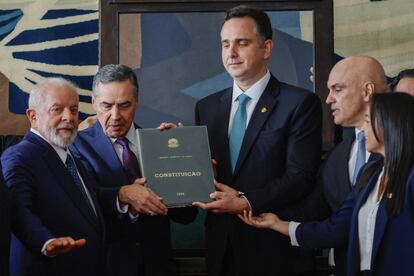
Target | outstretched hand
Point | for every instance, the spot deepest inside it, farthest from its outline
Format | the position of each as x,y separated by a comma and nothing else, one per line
63,245
266,220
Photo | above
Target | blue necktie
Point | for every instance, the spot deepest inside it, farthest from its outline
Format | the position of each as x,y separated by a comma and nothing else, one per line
71,166
238,128
129,160
360,160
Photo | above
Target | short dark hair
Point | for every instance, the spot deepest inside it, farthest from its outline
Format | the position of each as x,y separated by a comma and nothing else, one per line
392,121
114,72
407,73
263,25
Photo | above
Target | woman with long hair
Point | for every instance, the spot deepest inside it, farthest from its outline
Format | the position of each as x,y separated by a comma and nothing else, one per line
376,221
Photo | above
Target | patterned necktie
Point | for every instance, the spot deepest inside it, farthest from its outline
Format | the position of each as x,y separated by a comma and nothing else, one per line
360,160
129,160
71,166
238,128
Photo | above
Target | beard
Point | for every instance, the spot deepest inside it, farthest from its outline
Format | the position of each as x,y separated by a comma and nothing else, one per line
52,134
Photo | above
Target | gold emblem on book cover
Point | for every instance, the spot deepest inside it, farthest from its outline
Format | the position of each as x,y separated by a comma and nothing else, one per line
173,143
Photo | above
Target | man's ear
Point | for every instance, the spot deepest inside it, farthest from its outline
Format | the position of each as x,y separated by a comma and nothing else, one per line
268,45
368,90
31,115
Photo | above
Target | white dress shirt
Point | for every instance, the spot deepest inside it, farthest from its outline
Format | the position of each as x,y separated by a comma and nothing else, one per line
367,217
254,92
132,138
132,143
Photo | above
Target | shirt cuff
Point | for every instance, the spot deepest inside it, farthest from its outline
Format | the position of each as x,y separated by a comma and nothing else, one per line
121,210
242,195
292,233
44,247
132,217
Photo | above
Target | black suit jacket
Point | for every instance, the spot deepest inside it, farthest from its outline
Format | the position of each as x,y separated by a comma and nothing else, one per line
147,241
47,204
276,168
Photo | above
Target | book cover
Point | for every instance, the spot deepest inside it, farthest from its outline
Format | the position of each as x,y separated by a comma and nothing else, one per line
177,164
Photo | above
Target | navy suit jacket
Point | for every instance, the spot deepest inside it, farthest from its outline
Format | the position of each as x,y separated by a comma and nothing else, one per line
336,185
276,168
393,245
4,228
47,204
147,241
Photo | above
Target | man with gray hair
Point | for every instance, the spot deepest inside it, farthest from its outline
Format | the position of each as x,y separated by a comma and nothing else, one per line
53,208
138,227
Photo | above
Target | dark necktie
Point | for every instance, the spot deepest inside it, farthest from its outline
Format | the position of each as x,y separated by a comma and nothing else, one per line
71,166
129,160
237,129
360,160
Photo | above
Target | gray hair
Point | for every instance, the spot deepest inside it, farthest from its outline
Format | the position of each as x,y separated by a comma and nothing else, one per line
114,72
37,94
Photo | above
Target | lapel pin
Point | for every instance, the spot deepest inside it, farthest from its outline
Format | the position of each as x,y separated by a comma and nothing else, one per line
389,195
263,110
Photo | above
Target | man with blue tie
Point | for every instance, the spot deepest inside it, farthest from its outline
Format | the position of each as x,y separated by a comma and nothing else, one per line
352,82
138,227
54,211
265,136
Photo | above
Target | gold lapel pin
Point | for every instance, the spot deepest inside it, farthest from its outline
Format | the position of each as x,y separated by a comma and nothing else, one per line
389,195
263,110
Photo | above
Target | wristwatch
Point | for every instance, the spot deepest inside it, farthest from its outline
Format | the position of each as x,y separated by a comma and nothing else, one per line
240,194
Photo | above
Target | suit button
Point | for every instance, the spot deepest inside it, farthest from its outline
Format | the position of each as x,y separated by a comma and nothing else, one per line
137,244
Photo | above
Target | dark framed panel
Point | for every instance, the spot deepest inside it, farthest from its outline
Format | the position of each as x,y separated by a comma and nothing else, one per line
114,50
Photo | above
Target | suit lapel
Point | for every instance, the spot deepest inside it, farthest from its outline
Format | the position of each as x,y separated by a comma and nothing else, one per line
105,149
269,101
87,181
63,178
344,184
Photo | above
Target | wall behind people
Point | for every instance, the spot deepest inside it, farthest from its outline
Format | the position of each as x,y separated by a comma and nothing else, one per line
40,39
381,29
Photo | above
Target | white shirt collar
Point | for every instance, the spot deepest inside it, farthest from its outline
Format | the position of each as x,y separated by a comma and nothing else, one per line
357,131
131,136
254,91
62,152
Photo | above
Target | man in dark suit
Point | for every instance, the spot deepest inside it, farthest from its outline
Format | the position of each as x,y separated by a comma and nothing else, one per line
4,228
137,221
53,209
5,142
267,151
352,82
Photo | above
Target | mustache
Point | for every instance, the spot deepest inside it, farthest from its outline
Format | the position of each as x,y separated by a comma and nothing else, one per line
115,122
66,125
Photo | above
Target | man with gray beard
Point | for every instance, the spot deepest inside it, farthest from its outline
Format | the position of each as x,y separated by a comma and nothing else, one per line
54,211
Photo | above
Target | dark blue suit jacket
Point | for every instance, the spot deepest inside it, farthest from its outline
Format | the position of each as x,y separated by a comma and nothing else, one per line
393,246
4,227
47,204
147,241
276,168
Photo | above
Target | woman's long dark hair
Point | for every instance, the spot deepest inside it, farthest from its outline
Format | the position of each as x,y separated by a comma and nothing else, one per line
392,121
